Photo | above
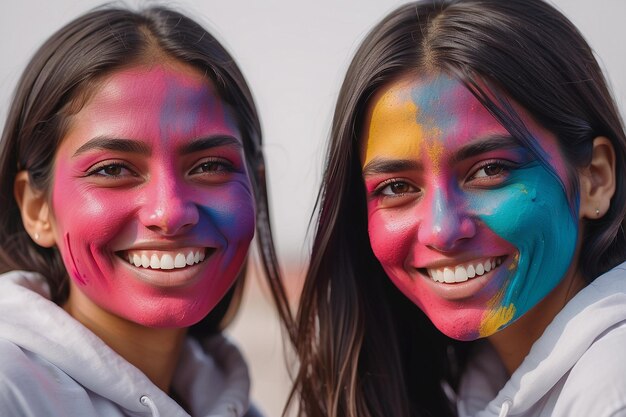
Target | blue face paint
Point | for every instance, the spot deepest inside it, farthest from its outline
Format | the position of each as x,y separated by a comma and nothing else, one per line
531,212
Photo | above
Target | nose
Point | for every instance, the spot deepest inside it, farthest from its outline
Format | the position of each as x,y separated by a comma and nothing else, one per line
167,208
445,223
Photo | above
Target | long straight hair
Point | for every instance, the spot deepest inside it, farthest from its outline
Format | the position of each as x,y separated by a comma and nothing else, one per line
56,83
365,349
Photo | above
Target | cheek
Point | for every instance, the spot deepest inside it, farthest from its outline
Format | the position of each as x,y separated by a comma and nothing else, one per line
82,208
534,215
232,212
391,236
87,220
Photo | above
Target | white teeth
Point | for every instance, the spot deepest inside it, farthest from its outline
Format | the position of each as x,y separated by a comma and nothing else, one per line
440,275
166,261
180,261
471,272
154,262
461,273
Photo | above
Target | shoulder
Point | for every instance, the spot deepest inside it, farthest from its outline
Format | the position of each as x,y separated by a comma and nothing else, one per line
596,385
31,386
20,380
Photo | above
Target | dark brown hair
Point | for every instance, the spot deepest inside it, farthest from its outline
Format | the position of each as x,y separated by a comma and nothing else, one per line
58,80
365,349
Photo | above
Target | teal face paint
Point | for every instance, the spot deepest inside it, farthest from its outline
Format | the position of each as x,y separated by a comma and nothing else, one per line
532,212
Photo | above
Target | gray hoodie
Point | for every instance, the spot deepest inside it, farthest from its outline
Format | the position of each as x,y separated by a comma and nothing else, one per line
51,365
576,368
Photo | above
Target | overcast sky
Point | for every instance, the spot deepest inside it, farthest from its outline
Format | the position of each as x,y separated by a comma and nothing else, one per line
294,55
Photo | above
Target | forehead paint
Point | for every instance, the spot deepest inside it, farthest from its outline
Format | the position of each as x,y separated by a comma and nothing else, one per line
428,100
526,221
186,104
161,203
402,135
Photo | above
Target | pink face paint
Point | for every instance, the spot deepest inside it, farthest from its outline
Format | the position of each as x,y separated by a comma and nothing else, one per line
462,218
152,202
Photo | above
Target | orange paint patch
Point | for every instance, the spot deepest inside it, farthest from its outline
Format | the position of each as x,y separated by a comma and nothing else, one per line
392,128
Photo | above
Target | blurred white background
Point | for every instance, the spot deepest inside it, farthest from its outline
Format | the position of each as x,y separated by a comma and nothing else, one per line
294,54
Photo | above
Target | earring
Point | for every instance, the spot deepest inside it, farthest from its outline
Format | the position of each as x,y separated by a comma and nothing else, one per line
36,236
597,212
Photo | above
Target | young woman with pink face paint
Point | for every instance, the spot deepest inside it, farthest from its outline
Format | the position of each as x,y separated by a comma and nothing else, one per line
132,182
470,242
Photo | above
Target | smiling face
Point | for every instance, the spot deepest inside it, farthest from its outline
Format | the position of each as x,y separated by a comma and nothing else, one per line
464,220
153,210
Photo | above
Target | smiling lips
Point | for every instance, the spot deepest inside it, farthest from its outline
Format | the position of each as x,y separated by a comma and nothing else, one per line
165,259
461,273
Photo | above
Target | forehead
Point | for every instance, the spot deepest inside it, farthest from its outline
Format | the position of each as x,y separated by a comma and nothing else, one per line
140,87
423,114
166,101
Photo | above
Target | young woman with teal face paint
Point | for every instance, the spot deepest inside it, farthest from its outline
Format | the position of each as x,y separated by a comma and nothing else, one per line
471,223
132,182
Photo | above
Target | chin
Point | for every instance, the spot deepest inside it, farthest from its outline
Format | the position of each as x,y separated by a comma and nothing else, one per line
461,326
167,317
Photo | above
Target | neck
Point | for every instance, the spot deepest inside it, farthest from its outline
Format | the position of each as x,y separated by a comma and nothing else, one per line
515,341
155,352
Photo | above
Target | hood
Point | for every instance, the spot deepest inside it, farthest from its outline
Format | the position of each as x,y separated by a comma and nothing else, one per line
212,378
598,307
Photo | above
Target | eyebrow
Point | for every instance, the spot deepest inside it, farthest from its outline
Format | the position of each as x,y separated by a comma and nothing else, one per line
141,148
385,166
114,144
487,144
209,142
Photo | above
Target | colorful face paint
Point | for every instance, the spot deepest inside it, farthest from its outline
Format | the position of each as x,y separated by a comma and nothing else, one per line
152,204
464,220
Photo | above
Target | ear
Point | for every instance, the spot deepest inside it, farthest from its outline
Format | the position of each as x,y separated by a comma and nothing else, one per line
597,180
35,211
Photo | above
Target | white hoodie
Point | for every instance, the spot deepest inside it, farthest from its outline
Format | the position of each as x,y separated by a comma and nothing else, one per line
53,366
576,368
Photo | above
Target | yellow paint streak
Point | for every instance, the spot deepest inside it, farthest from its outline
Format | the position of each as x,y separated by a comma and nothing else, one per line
392,129
495,319
435,150
498,315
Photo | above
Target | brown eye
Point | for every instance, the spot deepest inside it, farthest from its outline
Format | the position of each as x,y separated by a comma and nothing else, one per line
397,188
112,170
213,165
493,169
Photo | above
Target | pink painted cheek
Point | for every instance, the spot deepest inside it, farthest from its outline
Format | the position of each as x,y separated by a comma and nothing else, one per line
87,220
391,237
